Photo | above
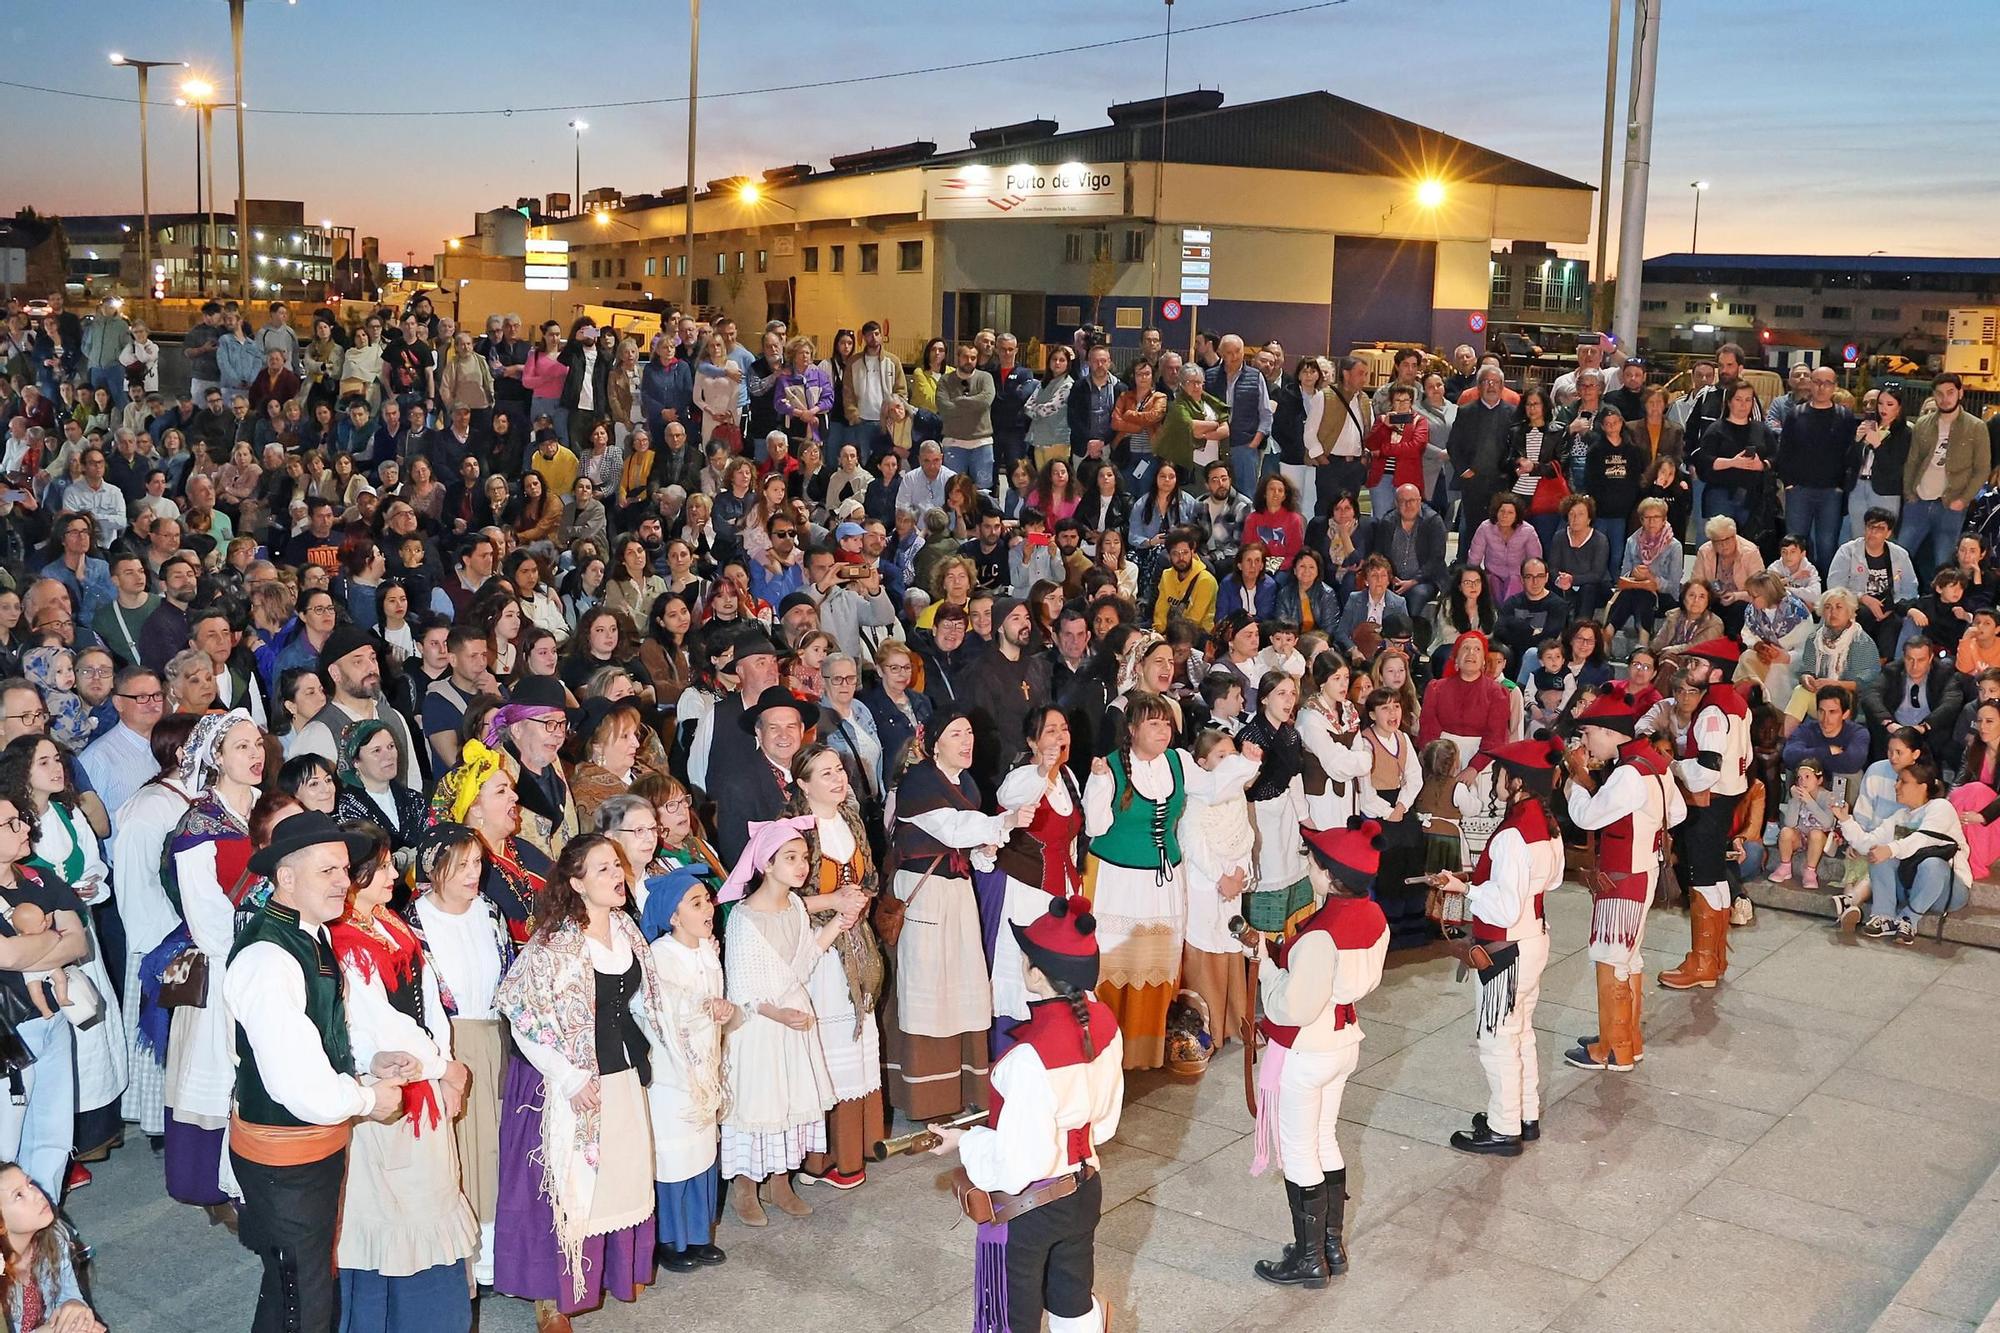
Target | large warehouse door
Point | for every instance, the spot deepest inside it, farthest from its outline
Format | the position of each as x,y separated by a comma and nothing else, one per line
1381,291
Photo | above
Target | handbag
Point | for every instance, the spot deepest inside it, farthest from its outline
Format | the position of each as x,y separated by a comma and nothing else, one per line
85,1007
14,1053
184,980
1550,493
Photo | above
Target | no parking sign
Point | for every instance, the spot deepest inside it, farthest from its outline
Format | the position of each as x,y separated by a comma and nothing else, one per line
1476,321
1170,310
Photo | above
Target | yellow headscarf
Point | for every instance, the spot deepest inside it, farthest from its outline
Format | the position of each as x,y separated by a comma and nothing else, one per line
458,789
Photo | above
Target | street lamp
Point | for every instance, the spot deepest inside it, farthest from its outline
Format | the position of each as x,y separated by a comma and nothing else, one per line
1430,193
751,194
200,94
576,205
1699,188
145,172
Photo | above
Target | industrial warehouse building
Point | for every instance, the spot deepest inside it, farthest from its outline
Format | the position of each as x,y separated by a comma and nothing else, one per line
1329,224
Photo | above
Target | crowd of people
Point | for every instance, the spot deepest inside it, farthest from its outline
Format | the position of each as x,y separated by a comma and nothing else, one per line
488,807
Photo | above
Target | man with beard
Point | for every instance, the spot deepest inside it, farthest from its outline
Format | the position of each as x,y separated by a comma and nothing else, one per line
166,630
1005,684
352,668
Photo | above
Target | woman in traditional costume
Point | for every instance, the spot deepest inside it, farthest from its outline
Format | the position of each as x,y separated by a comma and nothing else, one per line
1042,858
480,794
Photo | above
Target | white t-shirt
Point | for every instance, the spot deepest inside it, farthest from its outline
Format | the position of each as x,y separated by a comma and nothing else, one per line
867,387
586,398
1930,486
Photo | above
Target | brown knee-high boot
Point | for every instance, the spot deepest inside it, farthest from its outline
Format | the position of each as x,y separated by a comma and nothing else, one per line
1708,954
1637,1029
1614,1020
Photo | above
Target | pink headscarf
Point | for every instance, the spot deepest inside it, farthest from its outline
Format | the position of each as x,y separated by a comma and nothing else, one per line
765,840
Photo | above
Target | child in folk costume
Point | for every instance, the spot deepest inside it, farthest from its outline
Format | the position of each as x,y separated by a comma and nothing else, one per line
944,997
1388,794
779,1088
406,1229
688,1096
1282,896
1057,1096
1132,808
1041,857
847,980
1309,989
1328,722
1714,768
1503,897
1219,842
1437,808
1631,812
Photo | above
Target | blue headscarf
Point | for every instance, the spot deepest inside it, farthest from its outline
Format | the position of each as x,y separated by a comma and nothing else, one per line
663,899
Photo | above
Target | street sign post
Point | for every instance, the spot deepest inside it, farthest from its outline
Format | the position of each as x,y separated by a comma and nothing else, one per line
1197,259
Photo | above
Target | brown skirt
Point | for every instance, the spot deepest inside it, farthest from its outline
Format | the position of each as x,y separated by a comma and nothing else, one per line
851,1126
477,1045
1141,1012
1220,980
930,1078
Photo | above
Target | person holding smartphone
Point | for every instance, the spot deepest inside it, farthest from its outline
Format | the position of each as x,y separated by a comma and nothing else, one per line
1396,444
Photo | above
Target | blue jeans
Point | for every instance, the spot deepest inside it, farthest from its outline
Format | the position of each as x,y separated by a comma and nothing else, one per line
1245,466
1614,534
41,1134
1933,889
1727,500
975,461
1931,521
112,378
1755,855
1862,499
1813,512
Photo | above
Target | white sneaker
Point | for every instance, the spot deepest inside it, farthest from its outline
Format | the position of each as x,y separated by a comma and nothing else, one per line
1741,912
1846,911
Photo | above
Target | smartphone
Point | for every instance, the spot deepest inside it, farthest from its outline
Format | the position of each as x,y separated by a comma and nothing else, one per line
12,496
1401,418
263,553
1037,539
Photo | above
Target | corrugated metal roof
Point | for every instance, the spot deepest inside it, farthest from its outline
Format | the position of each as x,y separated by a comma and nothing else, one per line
1314,131
1829,263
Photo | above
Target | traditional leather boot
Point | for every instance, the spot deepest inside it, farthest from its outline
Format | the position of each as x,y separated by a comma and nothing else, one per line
1611,1048
779,1187
1336,1221
548,1319
1708,955
1304,1263
744,1202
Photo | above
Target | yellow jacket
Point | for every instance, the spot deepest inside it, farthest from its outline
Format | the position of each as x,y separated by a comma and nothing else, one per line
1189,596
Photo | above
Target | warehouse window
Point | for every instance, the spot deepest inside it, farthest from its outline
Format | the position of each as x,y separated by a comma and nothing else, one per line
871,257
1135,246
1836,312
680,266
621,266
812,259
1788,312
1936,316
1885,313
909,256
721,262
652,266
763,260
1100,246
1694,307
1652,307
1744,308
1531,290
740,259
837,254
1503,286
1073,247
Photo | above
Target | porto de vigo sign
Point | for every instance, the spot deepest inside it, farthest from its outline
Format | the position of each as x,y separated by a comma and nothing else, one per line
1064,190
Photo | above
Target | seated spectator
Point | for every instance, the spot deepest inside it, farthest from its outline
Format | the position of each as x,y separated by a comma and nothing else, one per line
1534,613
1411,539
1918,864
1580,558
1725,562
1940,616
1839,653
1979,648
1693,621
42,1294
1774,631
1879,574
1975,792
1649,575
1921,691
1797,571
1833,739
1370,604
1504,543
1804,824
1248,587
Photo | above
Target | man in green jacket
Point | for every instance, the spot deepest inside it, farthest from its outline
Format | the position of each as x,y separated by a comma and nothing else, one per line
1949,459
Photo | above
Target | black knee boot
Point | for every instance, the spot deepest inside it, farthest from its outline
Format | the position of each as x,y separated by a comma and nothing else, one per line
1336,1217
1304,1263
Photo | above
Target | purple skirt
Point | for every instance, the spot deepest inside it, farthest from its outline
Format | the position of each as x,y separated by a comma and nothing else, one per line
194,1158
527,1261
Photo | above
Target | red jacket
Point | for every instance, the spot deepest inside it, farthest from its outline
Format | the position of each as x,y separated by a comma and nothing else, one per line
1409,451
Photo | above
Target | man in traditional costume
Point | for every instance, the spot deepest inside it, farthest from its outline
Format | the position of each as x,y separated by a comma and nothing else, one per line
1631,813
297,1095
1309,991
1715,771
1522,862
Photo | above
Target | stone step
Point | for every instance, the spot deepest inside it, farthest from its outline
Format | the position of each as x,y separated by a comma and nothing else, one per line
1977,925
1957,1286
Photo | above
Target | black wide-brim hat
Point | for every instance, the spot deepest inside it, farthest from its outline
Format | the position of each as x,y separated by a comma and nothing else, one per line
777,696
300,831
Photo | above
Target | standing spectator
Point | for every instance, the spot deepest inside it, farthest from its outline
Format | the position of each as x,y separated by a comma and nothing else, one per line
1241,385
1091,402
1949,460
1812,463
586,390
1729,457
104,344
1479,447
198,345
1295,423
1875,461
277,335
1396,444
965,408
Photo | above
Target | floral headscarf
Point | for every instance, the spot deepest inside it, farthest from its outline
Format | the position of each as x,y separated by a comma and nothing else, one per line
458,789
1135,652
70,720
200,758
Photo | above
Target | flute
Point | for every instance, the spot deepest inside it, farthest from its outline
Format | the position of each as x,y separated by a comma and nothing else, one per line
922,1140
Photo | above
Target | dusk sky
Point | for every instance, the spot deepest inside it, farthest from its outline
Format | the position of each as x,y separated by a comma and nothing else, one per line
1819,132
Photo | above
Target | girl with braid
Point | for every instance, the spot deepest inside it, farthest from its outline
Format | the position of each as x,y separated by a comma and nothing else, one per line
1056,1096
1132,809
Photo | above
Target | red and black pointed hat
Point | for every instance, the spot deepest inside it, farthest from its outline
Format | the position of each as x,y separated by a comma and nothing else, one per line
1063,942
1613,711
1533,761
1722,652
1351,855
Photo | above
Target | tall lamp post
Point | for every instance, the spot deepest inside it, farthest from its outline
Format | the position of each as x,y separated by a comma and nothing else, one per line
576,204
145,67
694,92
242,190
1694,238
200,94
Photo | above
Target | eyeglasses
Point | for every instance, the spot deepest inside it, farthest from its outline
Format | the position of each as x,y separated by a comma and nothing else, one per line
650,830
39,715
154,697
554,726
54,624
781,532
95,671
843,680
19,823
